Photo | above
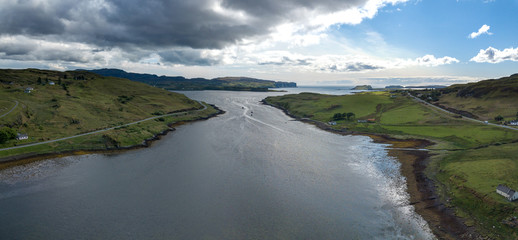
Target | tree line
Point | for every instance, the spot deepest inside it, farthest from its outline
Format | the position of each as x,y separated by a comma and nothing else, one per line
343,116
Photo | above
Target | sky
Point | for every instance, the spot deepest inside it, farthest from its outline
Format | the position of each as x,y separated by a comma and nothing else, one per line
325,42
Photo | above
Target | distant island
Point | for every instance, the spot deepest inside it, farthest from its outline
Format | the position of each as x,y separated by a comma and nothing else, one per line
362,87
182,83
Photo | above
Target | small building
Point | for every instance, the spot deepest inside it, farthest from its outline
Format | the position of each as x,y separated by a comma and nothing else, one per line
371,120
332,123
21,136
28,90
507,192
51,83
514,123
362,121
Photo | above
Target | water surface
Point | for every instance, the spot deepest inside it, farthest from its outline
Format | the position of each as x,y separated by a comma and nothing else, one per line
241,175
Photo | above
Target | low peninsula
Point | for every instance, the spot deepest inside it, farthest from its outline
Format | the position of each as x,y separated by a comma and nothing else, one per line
456,146
46,113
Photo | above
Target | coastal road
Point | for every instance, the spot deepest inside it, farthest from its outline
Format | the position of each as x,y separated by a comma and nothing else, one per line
5,114
464,117
104,130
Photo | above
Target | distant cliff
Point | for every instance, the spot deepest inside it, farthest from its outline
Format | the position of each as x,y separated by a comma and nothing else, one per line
182,83
362,87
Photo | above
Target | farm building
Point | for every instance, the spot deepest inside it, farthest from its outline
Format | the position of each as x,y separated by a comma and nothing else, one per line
21,136
507,192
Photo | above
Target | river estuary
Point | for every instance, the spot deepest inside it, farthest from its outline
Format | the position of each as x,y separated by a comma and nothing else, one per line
240,175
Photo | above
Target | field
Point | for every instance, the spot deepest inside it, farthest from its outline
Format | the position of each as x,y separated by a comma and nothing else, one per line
470,159
80,102
485,109
485,100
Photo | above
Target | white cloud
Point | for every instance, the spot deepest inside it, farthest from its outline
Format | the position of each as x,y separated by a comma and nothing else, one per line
353,63
432,61
492,55
482,30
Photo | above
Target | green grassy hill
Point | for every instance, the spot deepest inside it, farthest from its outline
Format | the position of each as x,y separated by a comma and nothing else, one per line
64,104
485,99
394,114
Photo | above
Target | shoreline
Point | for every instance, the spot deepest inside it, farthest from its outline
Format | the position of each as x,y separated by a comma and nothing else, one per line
17,160
422,190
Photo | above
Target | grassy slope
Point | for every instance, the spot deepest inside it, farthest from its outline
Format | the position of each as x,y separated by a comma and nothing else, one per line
97,102
485,99
466,174
5,106
397,116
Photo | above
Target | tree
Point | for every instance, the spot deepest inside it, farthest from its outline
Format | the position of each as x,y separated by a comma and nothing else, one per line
349,115
7,133
3,137
337,116
516,115
39,80
499,118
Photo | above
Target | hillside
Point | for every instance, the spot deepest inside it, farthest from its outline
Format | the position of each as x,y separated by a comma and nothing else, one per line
181,83
63,104
484,100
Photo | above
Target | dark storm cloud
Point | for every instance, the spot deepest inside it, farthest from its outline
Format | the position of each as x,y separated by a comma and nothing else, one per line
187,57
12,49
275,9
24,17
24,49
154,23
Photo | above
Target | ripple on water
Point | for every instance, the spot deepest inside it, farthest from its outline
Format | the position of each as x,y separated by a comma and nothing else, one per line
36,171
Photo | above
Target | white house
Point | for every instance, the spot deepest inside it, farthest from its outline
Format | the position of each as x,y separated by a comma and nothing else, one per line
508,193
21,136
332,123
51,83
514,123
28,90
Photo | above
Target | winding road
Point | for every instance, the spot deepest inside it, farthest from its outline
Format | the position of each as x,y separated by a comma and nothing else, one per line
463,117
103,130
5,114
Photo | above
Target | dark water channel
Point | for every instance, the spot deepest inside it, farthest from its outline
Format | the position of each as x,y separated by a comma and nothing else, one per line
236,176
